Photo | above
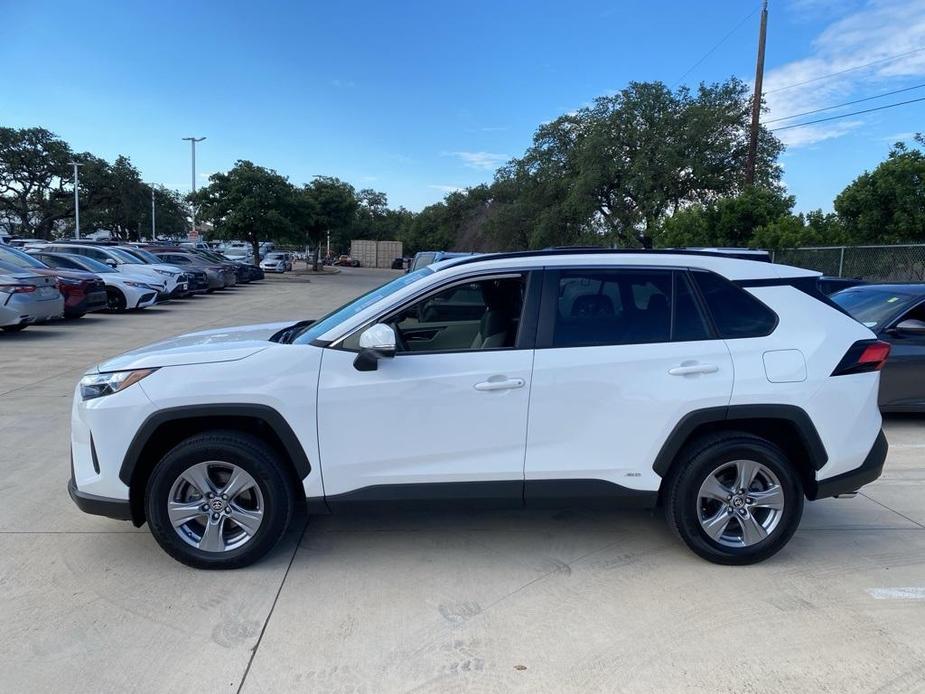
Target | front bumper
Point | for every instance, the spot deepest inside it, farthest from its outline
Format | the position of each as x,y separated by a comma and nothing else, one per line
119,509
853,480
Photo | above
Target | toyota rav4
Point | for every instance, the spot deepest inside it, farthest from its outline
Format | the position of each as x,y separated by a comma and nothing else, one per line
726,391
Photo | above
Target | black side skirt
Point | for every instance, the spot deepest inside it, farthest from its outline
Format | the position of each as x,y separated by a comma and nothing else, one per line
501,494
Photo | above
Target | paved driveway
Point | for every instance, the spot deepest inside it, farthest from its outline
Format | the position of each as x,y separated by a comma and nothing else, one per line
499,601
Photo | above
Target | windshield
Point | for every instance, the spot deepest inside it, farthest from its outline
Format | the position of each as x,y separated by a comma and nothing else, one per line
146,255
124,256
338,316
93,265
873,307
20,259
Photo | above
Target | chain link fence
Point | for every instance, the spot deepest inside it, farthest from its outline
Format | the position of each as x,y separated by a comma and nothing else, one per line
902,263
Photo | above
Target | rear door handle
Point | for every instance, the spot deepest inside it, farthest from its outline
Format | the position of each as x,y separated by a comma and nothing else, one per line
506,384
689,369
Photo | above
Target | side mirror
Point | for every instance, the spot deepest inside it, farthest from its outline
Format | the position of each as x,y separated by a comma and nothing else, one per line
376,342
110,262
911,327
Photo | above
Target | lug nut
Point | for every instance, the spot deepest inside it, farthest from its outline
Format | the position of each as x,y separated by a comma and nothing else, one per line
224,496
214,516
228,510
204,507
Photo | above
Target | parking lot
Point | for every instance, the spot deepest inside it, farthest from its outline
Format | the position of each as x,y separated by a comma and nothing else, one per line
495,601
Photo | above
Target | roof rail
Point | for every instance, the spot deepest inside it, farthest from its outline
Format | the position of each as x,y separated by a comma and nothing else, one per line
580,250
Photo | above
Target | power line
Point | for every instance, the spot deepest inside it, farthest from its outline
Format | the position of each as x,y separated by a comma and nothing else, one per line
845,115
717,45
842,72
847,103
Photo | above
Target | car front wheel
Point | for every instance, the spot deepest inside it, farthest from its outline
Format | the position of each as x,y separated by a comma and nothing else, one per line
219,500
734,499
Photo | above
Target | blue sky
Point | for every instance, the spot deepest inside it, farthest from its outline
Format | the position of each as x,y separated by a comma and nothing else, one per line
418,98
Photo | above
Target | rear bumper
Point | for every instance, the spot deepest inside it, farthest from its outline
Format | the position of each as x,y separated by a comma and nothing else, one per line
119,509
853,480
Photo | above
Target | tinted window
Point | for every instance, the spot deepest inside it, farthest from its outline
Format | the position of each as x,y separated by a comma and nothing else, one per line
735,312
613,307
688,321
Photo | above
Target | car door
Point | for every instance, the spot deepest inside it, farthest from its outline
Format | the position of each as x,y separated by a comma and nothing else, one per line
622,354
444,423
902,379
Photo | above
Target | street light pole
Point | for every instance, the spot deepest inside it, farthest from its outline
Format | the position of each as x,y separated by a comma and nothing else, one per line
193,141
76,165
153,232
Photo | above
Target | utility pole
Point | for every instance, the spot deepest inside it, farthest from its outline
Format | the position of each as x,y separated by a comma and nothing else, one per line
76,165
756,100
193,141
153,227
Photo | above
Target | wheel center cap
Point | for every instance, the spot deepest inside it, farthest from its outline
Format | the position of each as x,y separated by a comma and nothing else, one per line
217,504
738,501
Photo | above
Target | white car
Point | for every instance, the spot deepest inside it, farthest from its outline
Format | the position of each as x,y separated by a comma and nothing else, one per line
173,278
276,262
123,290
726,391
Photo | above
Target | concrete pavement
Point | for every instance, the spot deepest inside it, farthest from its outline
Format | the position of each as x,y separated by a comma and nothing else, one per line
495,601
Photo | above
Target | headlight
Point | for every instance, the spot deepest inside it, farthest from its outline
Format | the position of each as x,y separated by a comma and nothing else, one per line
98,385
166,272
139,285
68,282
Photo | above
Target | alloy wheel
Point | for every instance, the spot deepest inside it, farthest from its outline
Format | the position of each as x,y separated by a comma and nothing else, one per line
215,506
740,503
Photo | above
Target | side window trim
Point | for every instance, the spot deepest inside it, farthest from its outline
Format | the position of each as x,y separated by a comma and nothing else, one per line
526,335
687,275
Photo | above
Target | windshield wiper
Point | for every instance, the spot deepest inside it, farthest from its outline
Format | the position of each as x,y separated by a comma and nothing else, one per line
288,334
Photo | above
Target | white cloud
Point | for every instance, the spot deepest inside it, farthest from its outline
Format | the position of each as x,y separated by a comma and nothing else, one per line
446,189
486,161
881,29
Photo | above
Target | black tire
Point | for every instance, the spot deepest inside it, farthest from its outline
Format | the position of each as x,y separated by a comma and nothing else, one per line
15,328
115,300
245,451
683,505
74,316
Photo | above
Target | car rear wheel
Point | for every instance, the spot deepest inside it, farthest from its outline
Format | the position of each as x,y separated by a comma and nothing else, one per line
734,499
219,500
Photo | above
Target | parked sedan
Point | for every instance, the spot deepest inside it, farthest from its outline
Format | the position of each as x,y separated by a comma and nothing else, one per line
123,290
217,276
27,298
276,262
83,291
896,313
123,262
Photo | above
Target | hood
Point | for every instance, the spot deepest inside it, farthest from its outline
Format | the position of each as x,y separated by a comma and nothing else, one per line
208,346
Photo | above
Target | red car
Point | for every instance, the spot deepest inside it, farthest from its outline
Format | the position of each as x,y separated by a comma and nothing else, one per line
83,291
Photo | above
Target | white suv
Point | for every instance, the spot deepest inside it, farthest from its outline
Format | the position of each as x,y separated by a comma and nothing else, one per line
723,390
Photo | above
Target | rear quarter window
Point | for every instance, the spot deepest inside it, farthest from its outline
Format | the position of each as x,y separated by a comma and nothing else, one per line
736,313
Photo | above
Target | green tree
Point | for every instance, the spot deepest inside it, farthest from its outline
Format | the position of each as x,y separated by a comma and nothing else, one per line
815,228
249,202
730,221
615,170
325,204
35,191
887,205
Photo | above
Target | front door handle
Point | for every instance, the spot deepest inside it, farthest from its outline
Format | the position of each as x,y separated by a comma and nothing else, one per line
688,369
505,384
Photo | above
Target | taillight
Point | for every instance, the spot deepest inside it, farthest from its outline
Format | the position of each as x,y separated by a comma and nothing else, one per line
863,356
17,288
